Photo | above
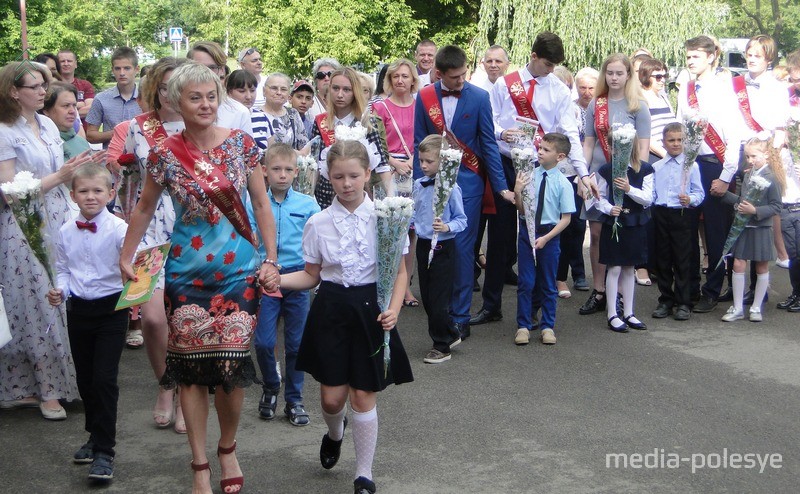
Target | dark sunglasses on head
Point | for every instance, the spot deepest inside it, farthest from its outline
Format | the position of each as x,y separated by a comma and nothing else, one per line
658,77
321,75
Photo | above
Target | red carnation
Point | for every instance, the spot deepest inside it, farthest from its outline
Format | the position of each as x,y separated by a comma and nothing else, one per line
219,276
229,257
210,257
197,242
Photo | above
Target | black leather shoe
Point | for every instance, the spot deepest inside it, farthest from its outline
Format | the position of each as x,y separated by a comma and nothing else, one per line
330,450
706,304
363,485
462,328
795,307
595,303
633,324
619,326
662,311
484,316
683,313
725,296
788,302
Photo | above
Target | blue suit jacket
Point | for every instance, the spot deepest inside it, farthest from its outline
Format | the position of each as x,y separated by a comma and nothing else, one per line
473,125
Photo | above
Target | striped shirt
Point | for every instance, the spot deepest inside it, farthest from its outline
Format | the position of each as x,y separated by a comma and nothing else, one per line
661,114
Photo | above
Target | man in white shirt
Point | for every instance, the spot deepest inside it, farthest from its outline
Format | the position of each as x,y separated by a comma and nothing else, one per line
712,97
495,64
424,55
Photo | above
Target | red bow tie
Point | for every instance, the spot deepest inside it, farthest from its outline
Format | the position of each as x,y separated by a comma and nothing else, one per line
88,225
446,93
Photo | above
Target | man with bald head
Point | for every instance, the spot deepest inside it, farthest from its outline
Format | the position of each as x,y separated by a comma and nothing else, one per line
424,55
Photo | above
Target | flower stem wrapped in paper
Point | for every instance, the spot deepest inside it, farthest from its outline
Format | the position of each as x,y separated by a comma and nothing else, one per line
529,128
757,187
306,175
696,126
130,179
522,158
623,138
393,218
24,195
445,181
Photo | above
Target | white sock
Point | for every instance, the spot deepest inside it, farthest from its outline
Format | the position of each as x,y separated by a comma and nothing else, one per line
612,284
335,423
738,290
365,438
762,282
627,283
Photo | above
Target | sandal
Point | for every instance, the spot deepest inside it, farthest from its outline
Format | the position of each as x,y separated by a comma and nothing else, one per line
199,468
411,303
297,414
134,339
163,418
233,484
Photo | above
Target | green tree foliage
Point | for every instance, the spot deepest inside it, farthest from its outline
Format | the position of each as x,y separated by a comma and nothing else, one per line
593,30
777,18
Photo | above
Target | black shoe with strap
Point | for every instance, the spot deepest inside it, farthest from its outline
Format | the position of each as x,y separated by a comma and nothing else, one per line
595,303
788,302
330,450
363,485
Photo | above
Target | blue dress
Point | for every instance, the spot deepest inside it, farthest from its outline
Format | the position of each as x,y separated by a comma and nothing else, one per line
211,296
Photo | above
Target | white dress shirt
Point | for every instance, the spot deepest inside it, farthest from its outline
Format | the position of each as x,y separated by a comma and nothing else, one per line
87,264
552,102
643,196
769,105
449,104
717,102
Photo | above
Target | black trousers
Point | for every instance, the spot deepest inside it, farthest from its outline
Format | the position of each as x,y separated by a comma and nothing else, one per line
436,289
572,243
500,244
97,337
717,220
673,239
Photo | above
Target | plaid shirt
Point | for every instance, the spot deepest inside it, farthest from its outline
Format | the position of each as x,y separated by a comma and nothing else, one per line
109,109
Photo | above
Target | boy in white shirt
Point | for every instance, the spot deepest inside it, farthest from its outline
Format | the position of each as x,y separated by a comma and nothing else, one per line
88,278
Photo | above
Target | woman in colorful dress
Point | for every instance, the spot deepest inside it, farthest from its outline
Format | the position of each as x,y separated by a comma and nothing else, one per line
37,368
397,114
618,100
347,106
145,132
211,291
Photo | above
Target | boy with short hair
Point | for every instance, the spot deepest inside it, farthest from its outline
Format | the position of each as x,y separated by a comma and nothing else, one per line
436,280
301,100
88,278
555,204
675,218
291,210
117,104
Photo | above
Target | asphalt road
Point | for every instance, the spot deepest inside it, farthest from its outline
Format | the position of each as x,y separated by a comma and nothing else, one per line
497,417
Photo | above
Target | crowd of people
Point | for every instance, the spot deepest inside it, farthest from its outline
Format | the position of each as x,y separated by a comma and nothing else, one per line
206,158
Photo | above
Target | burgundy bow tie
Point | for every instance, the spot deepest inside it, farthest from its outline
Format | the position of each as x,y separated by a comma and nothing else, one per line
87,225
446,93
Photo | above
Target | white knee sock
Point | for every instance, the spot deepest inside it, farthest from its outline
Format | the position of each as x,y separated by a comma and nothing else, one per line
365,438
627,284
762,283
335,423
612,284
738,290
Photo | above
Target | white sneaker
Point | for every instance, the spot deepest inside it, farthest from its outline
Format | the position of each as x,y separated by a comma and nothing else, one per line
733,315
782,263
755,315
548,337
523,337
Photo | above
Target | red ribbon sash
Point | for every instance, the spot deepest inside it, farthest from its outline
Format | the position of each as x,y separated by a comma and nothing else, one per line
219,190
712,138
524,102
152,128
740,88
328,135
601,125
468,158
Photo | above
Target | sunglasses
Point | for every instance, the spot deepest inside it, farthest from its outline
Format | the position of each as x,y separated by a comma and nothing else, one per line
247,53
659,77
321,75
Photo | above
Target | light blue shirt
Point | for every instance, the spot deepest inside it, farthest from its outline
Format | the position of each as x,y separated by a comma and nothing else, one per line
453,215
291,216
558,195
109,108
668,182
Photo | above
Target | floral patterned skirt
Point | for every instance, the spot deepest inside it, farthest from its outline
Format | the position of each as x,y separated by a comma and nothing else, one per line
210,328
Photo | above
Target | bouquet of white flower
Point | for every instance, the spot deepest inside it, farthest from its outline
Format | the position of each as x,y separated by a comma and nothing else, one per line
306,178
756,188
522,158
355,133
393,217
696,126
445,181
623,138
24,195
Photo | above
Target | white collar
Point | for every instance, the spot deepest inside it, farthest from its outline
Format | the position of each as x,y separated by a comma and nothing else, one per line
363,211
